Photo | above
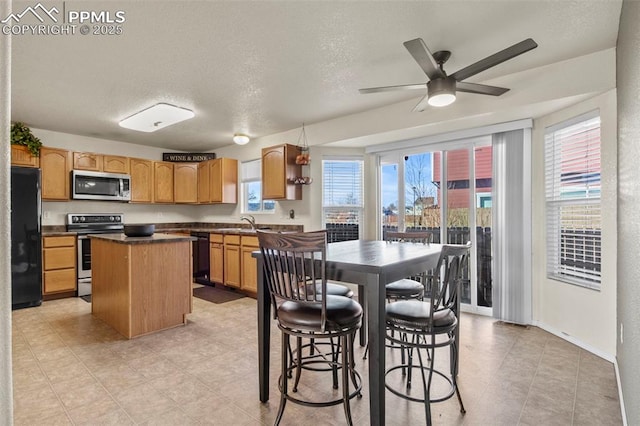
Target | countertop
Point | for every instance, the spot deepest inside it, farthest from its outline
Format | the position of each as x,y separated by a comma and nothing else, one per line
155,238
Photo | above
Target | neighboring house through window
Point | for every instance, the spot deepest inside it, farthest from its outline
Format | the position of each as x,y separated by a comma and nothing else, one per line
572,178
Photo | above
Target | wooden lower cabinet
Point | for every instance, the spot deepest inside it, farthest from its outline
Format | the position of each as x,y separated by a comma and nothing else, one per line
58,265
232,260
248,245
216,258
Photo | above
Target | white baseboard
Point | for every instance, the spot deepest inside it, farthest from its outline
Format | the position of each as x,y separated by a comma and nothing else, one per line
620,396
607,356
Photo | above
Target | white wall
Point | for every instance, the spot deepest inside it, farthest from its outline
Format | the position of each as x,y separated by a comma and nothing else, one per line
584,316
6,390
628,80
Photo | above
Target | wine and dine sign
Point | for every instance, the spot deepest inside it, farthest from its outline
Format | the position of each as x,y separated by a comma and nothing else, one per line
187,157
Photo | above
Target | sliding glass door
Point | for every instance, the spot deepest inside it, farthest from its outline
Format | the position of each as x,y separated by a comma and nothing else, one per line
447,192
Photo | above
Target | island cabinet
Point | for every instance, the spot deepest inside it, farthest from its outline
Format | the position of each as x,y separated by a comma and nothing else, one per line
279,170
55,165
141,285
249,244
218,181
162,182
141,180
58,265
216,258
185,180
21,156
232,260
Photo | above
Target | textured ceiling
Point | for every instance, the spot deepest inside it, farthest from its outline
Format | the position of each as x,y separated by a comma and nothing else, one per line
265,67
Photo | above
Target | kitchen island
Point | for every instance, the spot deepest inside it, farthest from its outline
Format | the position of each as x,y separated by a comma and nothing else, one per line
141,284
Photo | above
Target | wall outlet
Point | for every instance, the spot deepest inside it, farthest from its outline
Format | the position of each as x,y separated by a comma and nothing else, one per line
46,215
621,333
160,214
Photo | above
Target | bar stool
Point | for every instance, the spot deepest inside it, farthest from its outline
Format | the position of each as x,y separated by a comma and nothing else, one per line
291,262
429,325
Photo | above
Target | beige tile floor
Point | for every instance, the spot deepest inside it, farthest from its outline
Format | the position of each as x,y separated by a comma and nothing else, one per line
70,368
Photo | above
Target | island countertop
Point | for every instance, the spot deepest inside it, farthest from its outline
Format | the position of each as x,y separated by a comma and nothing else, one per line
155,238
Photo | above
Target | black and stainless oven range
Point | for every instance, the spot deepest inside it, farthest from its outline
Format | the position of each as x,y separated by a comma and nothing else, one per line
84,224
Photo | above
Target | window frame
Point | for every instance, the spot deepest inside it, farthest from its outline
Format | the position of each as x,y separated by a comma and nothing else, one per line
574,254
247,178
337,208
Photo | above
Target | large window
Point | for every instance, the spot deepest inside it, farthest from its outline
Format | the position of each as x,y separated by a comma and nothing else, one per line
572,174
252,202
342,198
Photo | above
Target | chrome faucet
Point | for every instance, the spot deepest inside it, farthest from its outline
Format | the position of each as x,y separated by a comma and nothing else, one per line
251,220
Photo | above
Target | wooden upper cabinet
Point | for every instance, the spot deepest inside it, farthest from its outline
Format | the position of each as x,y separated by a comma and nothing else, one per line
87,161
115,164
185,177
223,185
21,156
279,169
56,166
204,195
163,182
141,180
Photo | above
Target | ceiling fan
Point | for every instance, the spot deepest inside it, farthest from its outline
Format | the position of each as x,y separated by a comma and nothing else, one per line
442,88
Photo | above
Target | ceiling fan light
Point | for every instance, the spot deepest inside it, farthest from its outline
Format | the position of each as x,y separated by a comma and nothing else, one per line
441,99
442,92
240,139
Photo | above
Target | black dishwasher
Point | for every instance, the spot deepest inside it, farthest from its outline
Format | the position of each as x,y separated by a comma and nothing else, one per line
201,258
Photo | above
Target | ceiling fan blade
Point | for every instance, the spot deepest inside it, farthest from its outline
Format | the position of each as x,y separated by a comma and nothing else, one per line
393,88
481,89
495,59
424,58
422,105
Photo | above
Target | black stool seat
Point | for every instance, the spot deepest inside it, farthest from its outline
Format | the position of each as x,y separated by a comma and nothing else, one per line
334,289
341,313
417,314
404,289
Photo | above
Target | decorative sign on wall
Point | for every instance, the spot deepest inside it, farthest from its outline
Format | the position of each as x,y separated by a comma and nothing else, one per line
187,157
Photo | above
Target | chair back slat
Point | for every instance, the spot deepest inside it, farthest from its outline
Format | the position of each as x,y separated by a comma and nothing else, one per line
445,292
294,263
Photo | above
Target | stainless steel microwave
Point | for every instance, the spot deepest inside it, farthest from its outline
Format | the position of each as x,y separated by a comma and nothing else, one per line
87,185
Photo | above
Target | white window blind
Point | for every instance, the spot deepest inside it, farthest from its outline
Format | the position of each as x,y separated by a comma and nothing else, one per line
572,179
342,198
251,182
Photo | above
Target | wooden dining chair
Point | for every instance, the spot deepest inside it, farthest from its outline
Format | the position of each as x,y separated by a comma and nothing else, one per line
291,262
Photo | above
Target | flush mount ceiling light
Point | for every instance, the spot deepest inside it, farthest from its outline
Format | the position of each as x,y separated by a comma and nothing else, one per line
156,117
442,92
241,139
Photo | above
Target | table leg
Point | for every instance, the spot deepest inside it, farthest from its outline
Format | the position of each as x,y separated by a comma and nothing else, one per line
264,334
362,294
376,321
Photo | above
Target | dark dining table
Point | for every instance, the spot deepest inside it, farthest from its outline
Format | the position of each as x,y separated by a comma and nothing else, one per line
371,265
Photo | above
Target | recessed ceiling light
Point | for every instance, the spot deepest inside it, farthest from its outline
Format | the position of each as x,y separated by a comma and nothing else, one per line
156,117
241,139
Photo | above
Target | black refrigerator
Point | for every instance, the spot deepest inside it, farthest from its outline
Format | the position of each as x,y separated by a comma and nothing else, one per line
26,237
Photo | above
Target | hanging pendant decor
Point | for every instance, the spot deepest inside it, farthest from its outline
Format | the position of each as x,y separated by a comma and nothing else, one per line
303,158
